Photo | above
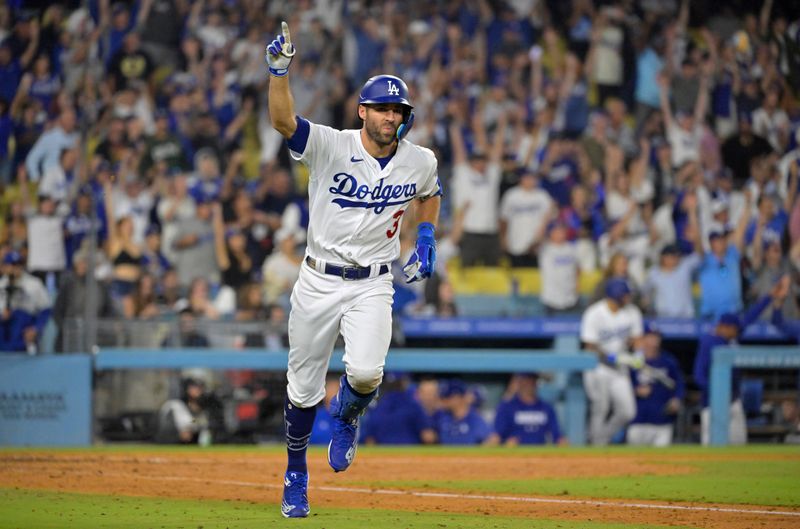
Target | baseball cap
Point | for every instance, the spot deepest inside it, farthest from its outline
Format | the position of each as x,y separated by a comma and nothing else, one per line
617,289
452,387
730,318
13,258
202,198
395,376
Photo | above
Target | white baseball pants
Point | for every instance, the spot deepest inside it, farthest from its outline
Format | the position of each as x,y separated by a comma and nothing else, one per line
737,425
650,434
324,305
609,390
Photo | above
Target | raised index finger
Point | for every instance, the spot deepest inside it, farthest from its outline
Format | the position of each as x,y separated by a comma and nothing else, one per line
286,36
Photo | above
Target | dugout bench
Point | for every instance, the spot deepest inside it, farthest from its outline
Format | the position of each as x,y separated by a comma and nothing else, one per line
564,360
724,359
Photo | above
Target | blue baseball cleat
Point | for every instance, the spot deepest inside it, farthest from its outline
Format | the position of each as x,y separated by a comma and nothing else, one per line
295,495
346,408
344,440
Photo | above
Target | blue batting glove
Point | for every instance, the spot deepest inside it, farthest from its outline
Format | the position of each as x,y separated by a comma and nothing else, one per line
611,358
279,52
423,260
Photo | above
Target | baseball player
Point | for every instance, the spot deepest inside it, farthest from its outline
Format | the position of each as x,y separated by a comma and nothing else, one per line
360,185
611,327
659,389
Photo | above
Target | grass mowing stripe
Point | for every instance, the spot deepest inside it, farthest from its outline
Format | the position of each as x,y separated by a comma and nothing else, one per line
481,497
24,509
762,482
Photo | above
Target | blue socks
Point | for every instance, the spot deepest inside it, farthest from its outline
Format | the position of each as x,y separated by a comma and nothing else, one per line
298,422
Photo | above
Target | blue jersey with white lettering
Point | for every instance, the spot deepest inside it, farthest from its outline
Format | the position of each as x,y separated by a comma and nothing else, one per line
469,430
356,203
532,424
657,374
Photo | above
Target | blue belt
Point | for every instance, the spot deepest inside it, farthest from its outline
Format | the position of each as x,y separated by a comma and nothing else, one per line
348,273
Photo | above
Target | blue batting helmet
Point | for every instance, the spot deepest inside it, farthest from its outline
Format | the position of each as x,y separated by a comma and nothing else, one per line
382,89
617,289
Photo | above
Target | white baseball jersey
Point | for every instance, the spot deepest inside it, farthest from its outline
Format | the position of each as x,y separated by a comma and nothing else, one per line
481,192
525,210
611,330
355,207
355,215
558,264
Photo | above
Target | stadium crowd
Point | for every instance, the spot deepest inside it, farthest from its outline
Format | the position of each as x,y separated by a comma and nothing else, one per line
658,141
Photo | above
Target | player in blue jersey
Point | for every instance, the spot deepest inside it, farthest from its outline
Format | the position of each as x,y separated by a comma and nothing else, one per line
659,389
525,419
397,418
458,423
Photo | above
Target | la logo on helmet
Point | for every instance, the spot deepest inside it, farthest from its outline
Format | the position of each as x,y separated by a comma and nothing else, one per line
393,89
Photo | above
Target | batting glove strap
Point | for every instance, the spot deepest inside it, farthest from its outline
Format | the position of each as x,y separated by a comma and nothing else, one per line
278,72
425,232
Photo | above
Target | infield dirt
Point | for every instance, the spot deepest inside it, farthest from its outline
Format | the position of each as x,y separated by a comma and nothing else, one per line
255,477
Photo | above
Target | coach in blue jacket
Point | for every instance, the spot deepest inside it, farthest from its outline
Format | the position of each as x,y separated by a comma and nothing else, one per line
525,418
659,389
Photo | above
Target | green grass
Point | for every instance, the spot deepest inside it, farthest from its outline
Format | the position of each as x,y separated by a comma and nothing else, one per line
20,509
772,483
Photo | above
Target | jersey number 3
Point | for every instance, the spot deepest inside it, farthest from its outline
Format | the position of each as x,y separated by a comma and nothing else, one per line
391,232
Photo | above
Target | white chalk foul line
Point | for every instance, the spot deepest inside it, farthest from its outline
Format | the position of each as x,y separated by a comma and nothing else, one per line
482,497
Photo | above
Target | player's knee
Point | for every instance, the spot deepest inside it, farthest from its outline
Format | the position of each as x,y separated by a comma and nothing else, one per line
365,380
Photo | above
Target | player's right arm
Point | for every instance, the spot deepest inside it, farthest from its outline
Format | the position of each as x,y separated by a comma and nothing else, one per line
279,55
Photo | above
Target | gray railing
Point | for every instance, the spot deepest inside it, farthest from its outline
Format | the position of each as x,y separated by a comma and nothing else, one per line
174,332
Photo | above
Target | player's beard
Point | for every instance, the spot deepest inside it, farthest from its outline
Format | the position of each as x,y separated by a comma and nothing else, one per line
376,134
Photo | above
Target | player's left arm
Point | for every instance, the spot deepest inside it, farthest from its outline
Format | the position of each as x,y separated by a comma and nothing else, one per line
423,261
